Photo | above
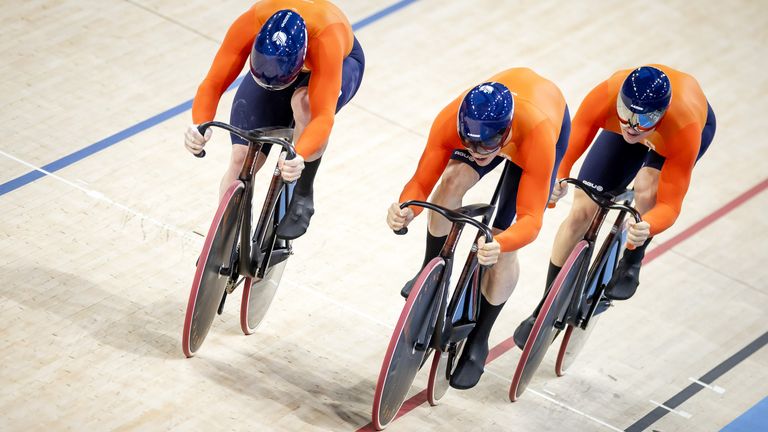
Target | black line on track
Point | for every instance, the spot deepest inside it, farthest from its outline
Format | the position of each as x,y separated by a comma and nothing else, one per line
708,378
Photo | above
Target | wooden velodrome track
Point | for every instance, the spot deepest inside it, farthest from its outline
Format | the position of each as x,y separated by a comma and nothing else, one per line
97,252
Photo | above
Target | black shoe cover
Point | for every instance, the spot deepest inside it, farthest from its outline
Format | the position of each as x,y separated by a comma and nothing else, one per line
296,221
624,282
471,365
523,331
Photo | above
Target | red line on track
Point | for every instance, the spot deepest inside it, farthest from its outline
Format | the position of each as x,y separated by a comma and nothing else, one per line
703,223
652,254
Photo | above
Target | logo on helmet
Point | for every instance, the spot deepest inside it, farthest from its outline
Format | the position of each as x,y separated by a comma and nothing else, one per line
280,38
486,89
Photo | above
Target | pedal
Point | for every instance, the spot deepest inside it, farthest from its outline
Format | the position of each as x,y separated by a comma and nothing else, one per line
560,325
225,271
221,305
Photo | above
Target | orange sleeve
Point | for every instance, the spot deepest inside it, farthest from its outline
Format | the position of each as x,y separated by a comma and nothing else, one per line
435,157
533,190
227,64
674,179
585,124
326,62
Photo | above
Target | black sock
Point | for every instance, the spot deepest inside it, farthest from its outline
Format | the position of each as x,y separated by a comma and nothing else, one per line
635,256
304,185
434,245
552,273
486,317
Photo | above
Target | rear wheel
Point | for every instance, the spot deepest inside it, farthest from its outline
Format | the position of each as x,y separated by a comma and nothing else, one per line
405,353
258,294
443,365
544,331
214,268
575,338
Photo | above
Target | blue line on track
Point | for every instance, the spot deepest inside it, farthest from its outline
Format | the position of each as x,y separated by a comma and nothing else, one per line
96,147
755,419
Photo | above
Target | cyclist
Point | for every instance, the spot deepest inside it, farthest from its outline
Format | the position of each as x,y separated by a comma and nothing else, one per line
305,64
517,116
656,124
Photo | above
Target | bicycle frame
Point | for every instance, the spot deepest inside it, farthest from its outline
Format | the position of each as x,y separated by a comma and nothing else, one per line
580,311
252,261
447,331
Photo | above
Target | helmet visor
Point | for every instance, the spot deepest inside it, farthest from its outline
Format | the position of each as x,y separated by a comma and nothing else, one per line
641,122
483,137
483,147
274,72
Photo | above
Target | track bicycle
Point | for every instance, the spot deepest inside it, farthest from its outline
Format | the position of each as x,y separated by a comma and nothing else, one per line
233,254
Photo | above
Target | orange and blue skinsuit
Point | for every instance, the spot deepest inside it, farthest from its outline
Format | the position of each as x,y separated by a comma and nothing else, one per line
680,138
330,41
537,124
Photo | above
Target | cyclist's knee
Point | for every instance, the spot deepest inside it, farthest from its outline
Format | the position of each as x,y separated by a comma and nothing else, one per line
239,152
457,179
300,107
580,216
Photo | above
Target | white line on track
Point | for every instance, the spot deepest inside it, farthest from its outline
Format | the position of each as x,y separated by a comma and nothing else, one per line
189,235
341,305
714,388
101,197
682,414
557,402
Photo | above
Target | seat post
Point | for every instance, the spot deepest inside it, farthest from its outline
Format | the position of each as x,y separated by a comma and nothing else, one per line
246,172
594,227
449,247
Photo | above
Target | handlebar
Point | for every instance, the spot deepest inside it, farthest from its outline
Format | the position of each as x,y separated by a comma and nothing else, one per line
451,215
606,200
267,135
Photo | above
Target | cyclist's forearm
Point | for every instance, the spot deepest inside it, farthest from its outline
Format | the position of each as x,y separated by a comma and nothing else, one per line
522,232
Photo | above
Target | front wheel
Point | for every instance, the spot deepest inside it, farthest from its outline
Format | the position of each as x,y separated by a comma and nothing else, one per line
544,330
403,357
214,268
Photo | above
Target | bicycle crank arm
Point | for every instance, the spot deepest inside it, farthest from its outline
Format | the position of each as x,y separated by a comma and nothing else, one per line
221,305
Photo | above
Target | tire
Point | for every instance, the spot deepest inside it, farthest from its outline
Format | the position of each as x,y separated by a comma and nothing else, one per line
544,331
401,360
208,285
258,296
573,341
439,377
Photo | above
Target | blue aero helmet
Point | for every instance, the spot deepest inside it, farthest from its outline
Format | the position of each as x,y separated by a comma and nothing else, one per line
485,117
279,50
644,98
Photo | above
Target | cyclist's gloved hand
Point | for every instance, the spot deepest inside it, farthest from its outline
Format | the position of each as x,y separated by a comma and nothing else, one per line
193,141
290,170
488,253
398,218
558,191
637,233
